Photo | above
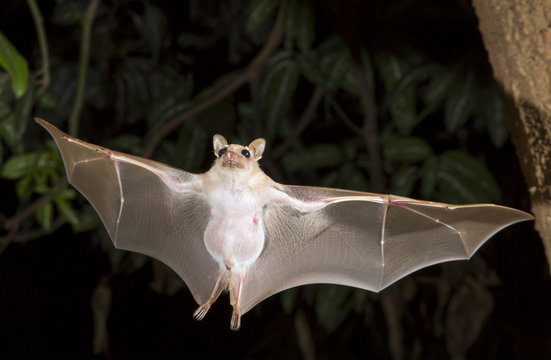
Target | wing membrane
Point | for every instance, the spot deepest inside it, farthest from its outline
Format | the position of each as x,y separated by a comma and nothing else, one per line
366,240
139,203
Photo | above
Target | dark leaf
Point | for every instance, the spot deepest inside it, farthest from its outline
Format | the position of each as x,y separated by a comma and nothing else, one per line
404,179
45,215
20,165
299,24
464,179
459,103
259,10
438,87
409,149
318,156
491,109
64,207
278,88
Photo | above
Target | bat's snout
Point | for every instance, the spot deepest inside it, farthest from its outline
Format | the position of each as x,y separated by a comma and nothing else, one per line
230,159
230,156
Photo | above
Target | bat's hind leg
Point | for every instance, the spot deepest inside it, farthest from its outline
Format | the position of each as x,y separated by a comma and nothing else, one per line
236,288
200,313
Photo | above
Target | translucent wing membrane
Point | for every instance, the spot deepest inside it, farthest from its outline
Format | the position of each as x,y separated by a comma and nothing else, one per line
366,240
143,207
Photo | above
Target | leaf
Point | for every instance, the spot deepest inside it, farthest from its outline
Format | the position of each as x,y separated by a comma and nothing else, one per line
402,104
152,26
463,179
27,164
404,112
404,179
23,187
299,24
491,109
278,88
438,87
45,215
409,149
391,69
259,10
459,103
412,78
64,207
318,156
7,129
335,65
19,165
15,65
308,66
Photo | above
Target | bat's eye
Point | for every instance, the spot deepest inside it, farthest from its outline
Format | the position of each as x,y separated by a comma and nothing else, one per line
222,151
246,153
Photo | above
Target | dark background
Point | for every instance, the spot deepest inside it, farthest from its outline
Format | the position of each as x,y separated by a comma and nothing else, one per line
151,60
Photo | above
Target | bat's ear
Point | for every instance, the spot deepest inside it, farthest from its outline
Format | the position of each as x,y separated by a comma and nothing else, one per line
218,142
257,148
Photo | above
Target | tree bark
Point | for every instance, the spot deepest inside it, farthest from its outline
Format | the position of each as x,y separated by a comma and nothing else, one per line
517,36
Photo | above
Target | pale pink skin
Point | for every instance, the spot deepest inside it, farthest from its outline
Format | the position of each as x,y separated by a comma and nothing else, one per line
237,191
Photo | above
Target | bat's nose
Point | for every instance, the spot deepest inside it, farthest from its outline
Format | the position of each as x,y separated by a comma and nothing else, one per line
230,155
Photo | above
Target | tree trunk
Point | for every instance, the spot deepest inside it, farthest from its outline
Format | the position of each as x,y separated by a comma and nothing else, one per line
517,36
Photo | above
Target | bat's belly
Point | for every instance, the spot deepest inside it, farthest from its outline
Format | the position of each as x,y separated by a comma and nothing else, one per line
235,241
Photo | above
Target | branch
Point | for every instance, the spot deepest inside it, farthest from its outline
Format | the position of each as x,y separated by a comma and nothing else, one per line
248,74
43,43
83,66
12,224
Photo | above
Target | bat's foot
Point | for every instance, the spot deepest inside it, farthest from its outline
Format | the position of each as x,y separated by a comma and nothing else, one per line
200,313
235,320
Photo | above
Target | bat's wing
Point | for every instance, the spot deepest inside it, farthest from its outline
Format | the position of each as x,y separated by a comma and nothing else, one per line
144,206
365,240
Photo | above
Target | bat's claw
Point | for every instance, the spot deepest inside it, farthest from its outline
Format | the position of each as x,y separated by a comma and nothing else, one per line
235,320
200,313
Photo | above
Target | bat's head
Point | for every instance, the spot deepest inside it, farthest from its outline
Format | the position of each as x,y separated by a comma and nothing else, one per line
237,157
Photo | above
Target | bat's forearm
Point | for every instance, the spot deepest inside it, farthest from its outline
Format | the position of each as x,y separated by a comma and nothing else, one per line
304,206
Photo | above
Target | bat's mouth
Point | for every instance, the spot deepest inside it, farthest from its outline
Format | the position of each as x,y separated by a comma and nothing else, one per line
232,162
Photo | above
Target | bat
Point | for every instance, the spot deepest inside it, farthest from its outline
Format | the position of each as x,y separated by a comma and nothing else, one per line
234,228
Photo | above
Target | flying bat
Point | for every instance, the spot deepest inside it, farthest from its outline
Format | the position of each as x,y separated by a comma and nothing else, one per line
234,228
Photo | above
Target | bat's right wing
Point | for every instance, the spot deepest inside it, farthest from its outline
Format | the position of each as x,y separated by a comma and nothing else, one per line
365,240
146,207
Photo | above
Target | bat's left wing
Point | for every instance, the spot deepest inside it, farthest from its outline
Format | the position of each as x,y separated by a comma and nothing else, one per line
146,207
365,240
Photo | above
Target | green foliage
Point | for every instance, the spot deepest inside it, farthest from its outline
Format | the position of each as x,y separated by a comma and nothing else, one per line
299,26
277,90
15,65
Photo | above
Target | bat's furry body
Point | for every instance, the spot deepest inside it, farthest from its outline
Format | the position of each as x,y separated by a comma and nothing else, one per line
235,228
